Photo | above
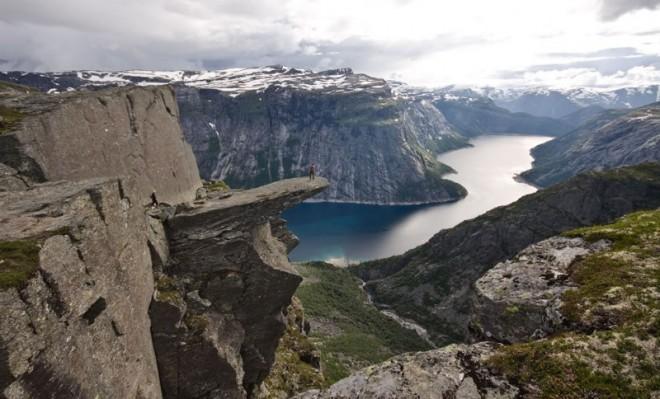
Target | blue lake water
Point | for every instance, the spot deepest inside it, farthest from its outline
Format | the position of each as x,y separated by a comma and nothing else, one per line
343,233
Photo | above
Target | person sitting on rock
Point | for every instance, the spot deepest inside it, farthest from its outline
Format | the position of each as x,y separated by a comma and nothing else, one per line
312,172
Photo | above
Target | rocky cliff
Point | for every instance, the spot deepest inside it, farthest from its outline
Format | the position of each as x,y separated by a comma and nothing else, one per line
217,312
105,293
432,284
257,125
372,147
613,139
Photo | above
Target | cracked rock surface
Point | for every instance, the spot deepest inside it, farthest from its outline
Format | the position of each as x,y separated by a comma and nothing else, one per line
519,299
455,371
76,326
217,312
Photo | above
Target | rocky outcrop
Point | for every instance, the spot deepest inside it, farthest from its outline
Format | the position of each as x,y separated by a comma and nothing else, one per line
75,268
519,299
75,286
613,139
297,366
585,303
117,132
217,313
455,371
432,284
79,257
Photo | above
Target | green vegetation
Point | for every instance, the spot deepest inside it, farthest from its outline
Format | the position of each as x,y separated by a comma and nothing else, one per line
197,323
627,233
10,86
166,291
18,262
218,185
292,372
616,308
649,171
367,110
352,333
574,366
9,118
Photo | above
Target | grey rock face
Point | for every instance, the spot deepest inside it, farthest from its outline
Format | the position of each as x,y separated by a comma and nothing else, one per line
77,326
82,317
520,299
217,311
132,133
455,371
371,146
432,284
612,140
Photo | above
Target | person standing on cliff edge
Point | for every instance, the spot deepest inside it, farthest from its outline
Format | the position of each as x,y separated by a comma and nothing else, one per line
312,172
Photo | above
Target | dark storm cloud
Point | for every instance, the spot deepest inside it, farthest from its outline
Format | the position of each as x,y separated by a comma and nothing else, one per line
613,9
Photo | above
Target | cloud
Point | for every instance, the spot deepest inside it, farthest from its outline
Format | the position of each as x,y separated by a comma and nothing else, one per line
613,9
423,42
608,52
589,77
607,65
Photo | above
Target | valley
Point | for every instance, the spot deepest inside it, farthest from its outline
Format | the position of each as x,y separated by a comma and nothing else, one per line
347,233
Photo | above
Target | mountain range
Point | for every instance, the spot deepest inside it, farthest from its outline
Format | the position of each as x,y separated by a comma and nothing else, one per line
375,140
556,102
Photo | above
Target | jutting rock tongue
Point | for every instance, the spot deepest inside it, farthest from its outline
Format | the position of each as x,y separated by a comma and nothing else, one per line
217,310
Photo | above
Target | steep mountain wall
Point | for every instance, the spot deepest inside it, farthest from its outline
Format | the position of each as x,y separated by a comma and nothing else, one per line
76,278
117,132
75,287
371,146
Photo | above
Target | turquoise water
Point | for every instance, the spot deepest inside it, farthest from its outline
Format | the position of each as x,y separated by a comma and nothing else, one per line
345,233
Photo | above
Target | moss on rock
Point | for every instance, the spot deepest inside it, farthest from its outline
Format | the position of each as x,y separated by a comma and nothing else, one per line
216,186
615,309
9,118
18,262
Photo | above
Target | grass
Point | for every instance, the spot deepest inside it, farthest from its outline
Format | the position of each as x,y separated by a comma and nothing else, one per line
616,310
626,233
15,86
363,335
292,372
167,291
18,262
9,118
560,368
218,185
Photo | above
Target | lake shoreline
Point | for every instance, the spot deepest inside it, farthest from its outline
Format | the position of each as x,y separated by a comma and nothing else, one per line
347,232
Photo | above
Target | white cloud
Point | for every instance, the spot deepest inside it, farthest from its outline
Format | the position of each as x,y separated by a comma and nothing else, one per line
590,77
421,41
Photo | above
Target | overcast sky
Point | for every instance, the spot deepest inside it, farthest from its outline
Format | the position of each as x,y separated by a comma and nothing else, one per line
560,43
